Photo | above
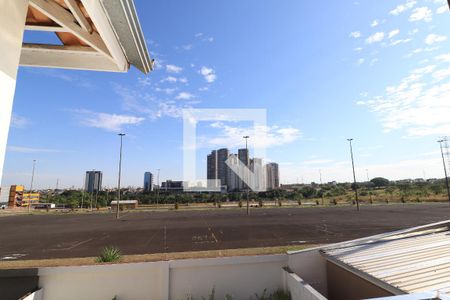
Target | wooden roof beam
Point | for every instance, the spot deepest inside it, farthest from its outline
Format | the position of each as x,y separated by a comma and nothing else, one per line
67,57
65,19
78,14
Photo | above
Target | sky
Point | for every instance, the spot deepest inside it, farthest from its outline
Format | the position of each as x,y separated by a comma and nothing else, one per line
324,71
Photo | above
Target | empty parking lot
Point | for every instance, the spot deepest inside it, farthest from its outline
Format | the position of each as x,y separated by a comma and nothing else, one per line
82,235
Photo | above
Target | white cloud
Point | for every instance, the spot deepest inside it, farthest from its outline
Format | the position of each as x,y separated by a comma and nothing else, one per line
173,69
421,13
434,38
150,105
317,161
20,149
208,74
397,42
19,121
418,104
443,57
403,7
360,61
183,80
393,33
442,9
231,136
187,47
355,34
374,23
169,79
375,38
106,121
184,96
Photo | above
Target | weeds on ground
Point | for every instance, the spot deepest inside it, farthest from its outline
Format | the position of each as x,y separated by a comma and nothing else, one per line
109,254
277,295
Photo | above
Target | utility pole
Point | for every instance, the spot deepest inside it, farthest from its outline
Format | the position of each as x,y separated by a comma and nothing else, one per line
246,137
354,175
157,192
31,186
82,192
445,169
120,171
320,176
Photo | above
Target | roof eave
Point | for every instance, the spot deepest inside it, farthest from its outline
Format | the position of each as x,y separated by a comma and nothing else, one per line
123,18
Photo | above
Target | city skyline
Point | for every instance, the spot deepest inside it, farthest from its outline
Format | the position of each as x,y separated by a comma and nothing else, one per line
395,117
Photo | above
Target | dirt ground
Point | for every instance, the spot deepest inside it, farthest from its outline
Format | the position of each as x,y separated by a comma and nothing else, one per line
82,235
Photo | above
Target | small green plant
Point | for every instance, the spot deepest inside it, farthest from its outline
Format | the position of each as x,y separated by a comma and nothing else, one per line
240,204
299,202
317,202
277,295
109,254
177,206
219,204
260,203
280,203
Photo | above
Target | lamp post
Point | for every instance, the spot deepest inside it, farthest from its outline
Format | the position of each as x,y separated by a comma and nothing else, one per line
157,192
246,137
445,169
31,186
120,171
354,176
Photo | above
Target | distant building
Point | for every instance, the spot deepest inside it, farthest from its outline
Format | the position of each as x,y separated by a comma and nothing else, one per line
233,180
230,181
11,196
272,176
259,174
170,185
124,204
211,169
93,181
148,182
222,168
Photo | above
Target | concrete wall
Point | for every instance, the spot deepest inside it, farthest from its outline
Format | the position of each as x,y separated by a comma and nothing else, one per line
299,289
126,281
344,285
311,267
240,277
15,284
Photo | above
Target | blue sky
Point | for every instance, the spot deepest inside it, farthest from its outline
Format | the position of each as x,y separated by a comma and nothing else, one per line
377,71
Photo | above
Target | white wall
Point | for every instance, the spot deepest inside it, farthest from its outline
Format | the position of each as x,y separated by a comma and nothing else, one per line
126,281
311,267
12,25
299,289
240,277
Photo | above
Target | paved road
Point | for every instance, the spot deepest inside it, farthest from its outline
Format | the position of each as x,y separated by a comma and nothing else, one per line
59,236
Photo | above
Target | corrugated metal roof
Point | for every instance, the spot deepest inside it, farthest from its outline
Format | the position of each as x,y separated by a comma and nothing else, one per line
402,263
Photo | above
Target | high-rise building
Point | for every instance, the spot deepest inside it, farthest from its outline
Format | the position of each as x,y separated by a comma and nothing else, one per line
211,169
93,181
148,182
273,176
259,174
222,168
233,180
244,156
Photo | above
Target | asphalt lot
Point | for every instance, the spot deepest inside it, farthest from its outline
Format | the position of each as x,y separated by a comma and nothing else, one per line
82,235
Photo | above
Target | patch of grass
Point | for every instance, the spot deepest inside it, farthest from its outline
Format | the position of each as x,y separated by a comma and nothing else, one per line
109,254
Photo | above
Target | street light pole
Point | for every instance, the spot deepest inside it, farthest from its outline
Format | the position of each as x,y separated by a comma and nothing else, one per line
157,192
445,169
31,186
120,171
246,137
354,175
